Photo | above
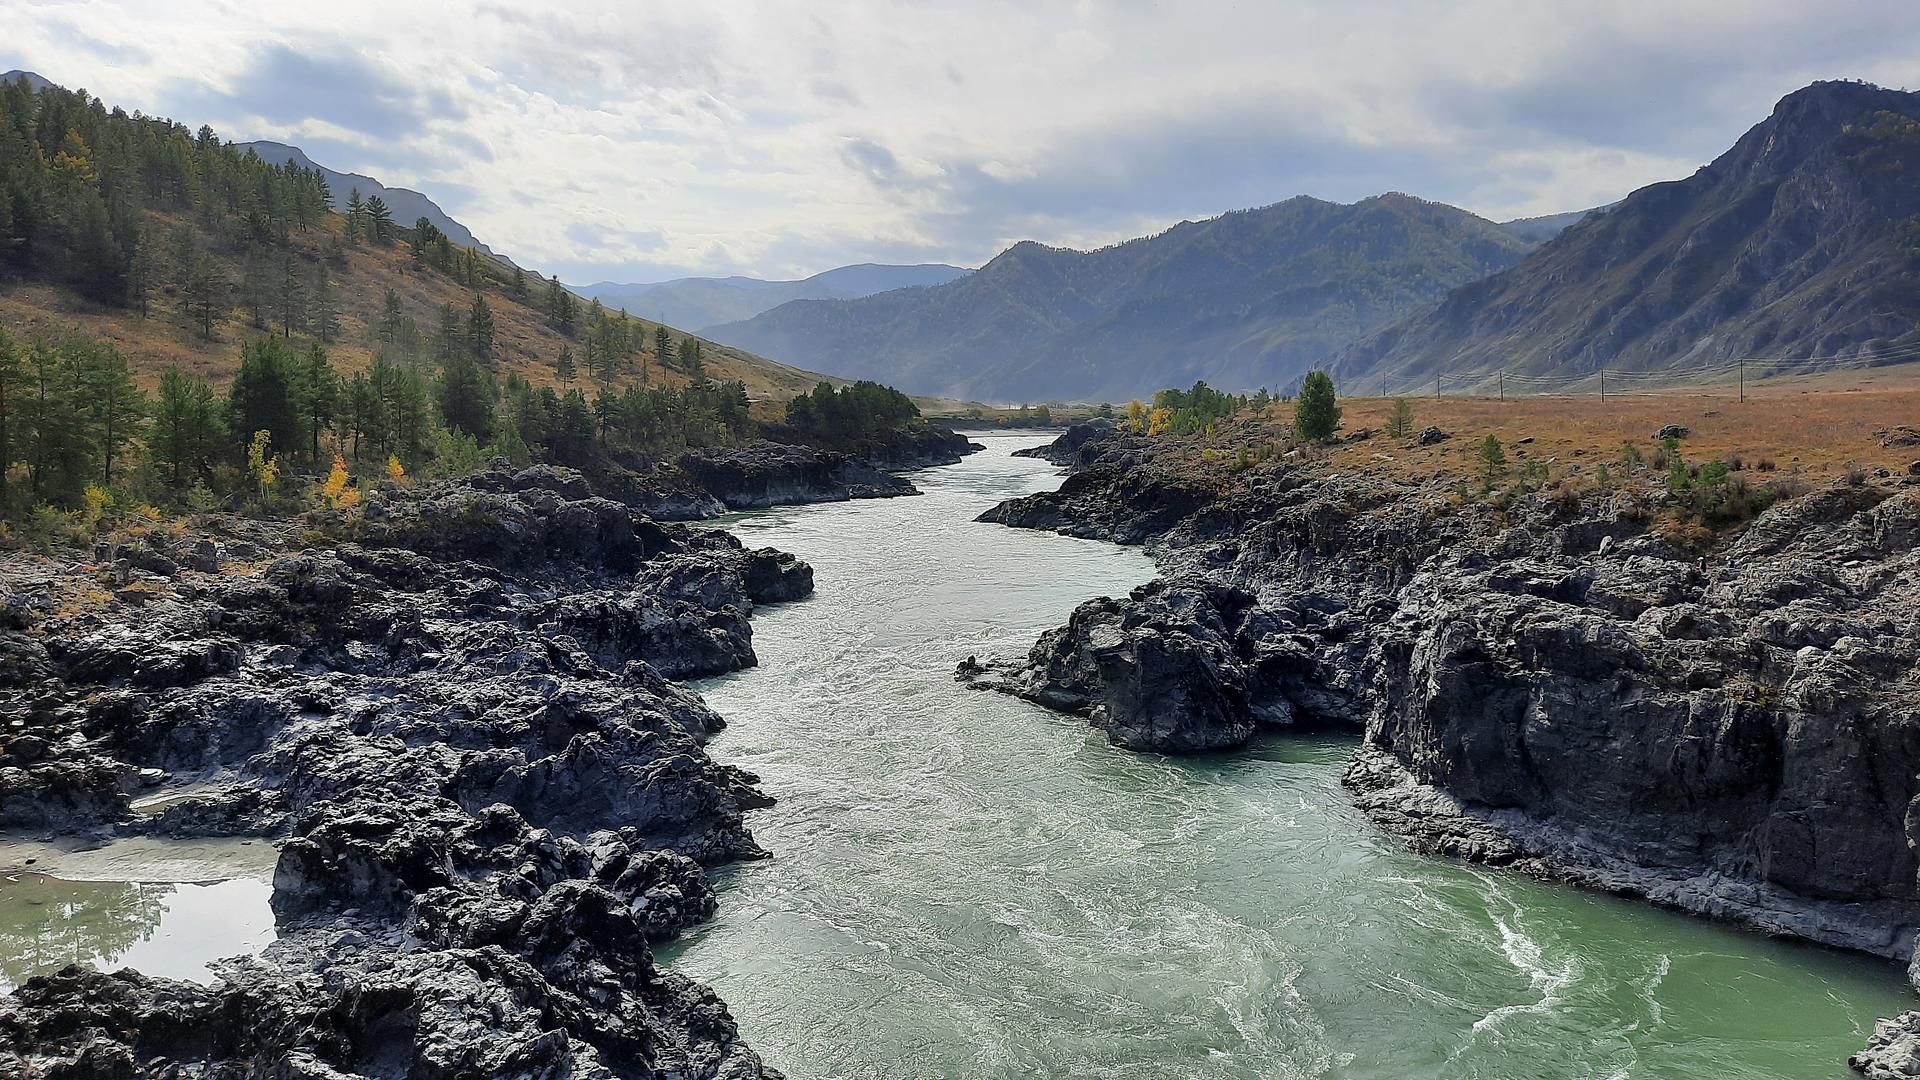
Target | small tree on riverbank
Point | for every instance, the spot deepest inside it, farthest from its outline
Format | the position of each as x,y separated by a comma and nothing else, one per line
1400,420
1317,413
1493,462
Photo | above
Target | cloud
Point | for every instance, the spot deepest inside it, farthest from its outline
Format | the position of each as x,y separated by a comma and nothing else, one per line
651,138
291,87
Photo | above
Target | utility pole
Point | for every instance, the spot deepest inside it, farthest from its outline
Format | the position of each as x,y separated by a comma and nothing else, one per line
1503,386
1743,378
1436,386
1603,384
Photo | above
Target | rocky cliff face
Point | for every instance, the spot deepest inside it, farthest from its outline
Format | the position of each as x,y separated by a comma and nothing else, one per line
1799,241
456,717
1551,687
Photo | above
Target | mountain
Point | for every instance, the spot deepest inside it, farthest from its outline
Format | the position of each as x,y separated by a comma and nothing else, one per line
1252,298
408,206
707,301
1802,241
1539,230
35,81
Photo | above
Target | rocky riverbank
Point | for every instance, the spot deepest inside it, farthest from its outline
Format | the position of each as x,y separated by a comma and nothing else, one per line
454,713
1548,685
708,482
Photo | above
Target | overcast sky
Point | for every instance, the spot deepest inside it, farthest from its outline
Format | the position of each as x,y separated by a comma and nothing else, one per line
636,141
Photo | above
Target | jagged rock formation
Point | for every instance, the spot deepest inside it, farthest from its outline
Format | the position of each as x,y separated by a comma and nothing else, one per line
1799,241
1556,689
1064,451
1243,300
456,717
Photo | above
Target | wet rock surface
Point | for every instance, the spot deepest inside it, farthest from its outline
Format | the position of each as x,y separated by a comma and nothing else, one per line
455,714
1552,688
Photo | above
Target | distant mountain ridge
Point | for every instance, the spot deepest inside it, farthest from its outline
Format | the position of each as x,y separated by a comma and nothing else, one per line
408,206
34,79
700,302
1801,241
1251,298
1539,230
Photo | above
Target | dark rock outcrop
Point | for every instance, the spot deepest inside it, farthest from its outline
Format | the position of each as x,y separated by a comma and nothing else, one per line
1067,449
771,474
459,725
1551,687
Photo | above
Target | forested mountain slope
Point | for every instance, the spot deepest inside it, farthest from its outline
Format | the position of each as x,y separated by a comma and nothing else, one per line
176,247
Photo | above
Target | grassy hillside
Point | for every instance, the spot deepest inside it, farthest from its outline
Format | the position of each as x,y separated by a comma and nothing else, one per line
528,345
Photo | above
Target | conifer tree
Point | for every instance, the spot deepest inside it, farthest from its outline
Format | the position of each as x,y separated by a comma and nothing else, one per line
1316,414
317,395
480,331
380,227
111,405
325,309
662,347
356,216
563,368
387,329
186,434
292,297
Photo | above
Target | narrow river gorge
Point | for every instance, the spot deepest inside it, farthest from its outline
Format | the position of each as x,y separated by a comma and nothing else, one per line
964,885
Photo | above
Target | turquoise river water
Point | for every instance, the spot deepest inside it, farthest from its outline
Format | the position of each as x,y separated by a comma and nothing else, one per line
964,885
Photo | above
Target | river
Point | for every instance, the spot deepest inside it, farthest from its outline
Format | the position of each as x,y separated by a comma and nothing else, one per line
964,885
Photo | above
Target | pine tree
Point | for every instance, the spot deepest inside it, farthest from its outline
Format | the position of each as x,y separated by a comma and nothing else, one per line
1316,414
691,360
662,347
356,216
1493,463
205,297
325,310
563,368
518,290
1400,420
12,373
466,403
380,227
451,340
391,318
422,238
317,395
112,406
480,331
53,424
262,397
146,272
292,297
186,433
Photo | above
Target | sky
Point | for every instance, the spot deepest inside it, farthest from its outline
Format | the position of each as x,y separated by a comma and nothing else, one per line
642,140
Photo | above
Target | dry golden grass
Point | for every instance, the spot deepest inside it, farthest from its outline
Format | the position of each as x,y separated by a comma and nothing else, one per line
526,345
1815,426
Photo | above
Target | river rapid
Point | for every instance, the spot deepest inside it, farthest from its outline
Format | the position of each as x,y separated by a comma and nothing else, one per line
965,885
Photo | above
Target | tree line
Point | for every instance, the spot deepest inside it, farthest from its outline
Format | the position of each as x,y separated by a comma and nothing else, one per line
72,418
